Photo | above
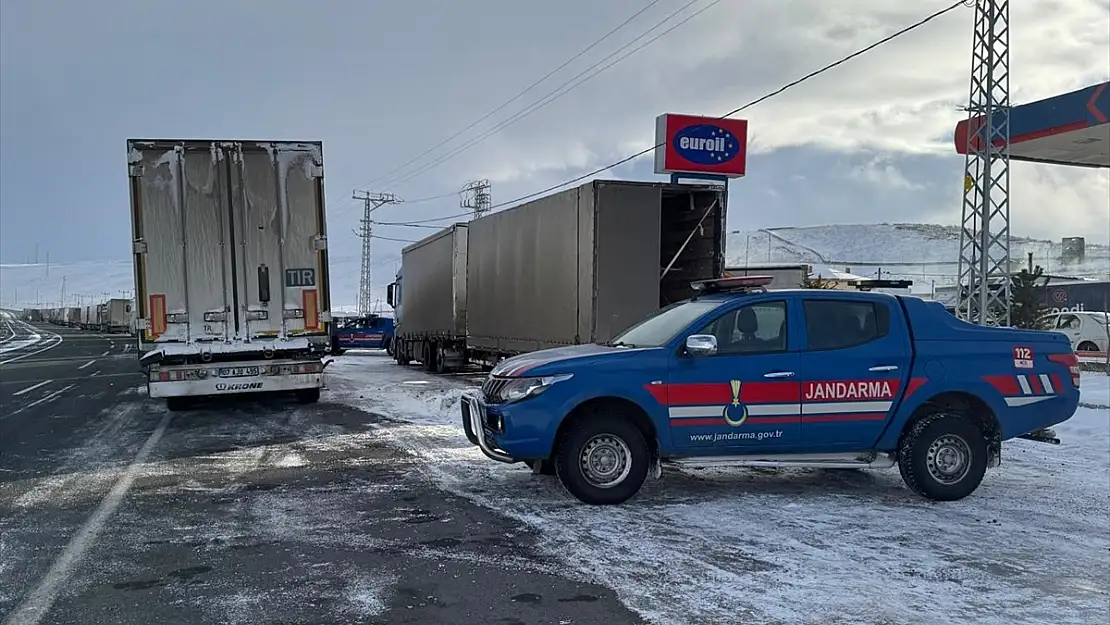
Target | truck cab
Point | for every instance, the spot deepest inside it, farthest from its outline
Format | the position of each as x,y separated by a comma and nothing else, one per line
742,376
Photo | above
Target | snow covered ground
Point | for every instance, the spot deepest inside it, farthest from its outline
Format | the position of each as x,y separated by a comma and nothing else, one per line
1032,545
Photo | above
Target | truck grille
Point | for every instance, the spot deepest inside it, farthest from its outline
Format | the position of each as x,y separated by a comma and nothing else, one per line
491,389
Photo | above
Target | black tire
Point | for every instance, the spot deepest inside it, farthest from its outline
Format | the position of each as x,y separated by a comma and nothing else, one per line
307,395
179,404
429,359
604,429
922,453
1087,346
389,347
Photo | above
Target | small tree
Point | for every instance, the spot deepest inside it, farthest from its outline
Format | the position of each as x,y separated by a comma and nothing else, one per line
1027,305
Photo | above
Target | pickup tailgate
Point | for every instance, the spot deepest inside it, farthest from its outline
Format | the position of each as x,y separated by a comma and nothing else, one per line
229,240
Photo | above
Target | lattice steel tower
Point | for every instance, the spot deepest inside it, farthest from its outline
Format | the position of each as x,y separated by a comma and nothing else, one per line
371,202
984,265
476,198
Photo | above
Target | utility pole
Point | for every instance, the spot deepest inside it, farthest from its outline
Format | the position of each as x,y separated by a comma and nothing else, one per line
371,203
475,196
983,291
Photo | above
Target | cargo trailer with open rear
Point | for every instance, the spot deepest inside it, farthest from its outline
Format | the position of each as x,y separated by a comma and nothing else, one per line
579,266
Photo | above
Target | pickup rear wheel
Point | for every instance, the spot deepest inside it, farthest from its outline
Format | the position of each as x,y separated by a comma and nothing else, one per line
603,460
943,457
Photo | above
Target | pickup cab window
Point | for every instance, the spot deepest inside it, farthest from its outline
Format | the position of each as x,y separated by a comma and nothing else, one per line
659,329
752,329
840,324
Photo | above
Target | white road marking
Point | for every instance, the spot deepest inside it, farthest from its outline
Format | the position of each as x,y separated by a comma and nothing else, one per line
31,388
43,400
21,357
39,602
11,336
87,364
106,352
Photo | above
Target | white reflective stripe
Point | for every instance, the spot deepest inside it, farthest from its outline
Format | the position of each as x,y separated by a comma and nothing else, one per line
1025,401
847,407
695,412
702,412
774,410
1024,384
1046,382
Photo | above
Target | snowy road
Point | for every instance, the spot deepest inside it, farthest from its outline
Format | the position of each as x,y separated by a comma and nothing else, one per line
114,511
776,546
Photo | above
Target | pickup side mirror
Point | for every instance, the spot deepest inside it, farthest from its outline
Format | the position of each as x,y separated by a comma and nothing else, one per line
701,345
389,295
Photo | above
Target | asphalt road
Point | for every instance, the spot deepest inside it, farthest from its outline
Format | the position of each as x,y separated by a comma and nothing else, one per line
113,510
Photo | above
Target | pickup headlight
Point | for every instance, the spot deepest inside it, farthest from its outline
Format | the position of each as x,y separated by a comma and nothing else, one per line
522,388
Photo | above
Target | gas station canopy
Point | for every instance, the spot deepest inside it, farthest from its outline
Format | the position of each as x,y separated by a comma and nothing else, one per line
1069,129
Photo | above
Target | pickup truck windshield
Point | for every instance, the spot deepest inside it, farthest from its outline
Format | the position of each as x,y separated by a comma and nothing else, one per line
661,327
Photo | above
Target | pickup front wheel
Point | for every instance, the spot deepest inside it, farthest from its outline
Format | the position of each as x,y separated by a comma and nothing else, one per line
943,457
603,459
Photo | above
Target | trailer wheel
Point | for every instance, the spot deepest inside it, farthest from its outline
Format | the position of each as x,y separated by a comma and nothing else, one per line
401,352
429,358
603,459
943,457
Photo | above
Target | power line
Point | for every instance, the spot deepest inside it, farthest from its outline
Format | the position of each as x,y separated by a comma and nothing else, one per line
359,204
790,85
517,96
564,89
381,238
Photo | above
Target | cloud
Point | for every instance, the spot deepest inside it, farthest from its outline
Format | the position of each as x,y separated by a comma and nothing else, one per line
381,82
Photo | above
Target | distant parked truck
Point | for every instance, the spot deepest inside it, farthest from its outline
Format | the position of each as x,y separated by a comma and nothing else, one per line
231,267
579,266
73,316
117,316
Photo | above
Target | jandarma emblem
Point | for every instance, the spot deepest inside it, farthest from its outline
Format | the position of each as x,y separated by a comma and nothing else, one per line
735,413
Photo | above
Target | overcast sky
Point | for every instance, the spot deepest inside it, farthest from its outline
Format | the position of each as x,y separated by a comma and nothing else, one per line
380,82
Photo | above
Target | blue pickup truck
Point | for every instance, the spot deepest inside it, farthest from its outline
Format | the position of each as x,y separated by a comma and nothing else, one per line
361,332
742,376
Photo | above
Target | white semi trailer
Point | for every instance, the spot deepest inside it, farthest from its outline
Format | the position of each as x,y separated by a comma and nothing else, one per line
231,267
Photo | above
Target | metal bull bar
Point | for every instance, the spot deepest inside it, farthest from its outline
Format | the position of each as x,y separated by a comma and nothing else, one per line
475,411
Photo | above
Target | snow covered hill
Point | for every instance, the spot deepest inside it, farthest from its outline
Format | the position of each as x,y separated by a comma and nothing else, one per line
925,253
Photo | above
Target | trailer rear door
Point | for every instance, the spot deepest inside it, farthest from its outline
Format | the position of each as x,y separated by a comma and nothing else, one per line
230,239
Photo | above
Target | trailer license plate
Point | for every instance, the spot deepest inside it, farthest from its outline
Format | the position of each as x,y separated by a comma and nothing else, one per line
239,372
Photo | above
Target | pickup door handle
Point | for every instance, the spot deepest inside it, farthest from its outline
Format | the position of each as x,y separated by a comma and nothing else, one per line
884,368
779,374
